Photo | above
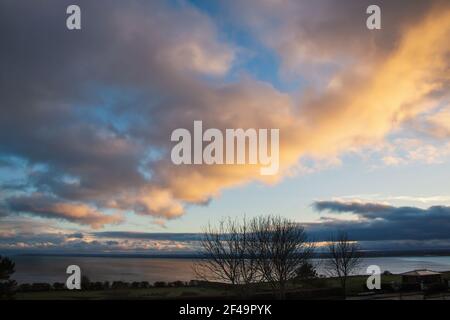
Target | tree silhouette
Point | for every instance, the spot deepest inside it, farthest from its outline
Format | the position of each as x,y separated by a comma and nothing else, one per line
225,255
345,258
280,247
7,268
306,271
7,286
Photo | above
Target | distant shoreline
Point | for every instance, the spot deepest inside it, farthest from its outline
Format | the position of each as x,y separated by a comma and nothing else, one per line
318,255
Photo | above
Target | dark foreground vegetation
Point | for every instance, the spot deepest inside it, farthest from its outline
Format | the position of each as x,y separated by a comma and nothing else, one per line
316,288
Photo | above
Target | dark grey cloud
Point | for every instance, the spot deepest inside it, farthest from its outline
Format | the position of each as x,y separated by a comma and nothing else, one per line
354,207
51,207
77,235
48,87
32,239
85,104
148,235
383,222
328,32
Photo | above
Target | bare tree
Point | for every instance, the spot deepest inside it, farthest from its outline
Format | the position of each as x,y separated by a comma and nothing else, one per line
280,248
225,255
345,258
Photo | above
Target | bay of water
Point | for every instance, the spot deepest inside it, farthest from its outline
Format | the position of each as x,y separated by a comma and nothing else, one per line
51,269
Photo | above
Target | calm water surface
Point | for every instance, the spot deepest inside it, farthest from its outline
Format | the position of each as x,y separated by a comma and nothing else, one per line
52,269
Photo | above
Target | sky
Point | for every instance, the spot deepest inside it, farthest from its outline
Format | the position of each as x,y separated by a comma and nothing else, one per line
87,115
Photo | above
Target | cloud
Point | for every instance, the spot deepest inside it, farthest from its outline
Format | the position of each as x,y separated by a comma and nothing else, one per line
95,108
148,235
364,110
77,235
377,226
407,150
319,36
380,221
421,199
21,235
139,46
50,243
49,207
354,207
434,125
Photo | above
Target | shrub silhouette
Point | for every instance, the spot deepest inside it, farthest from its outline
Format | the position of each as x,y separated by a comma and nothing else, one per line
7,286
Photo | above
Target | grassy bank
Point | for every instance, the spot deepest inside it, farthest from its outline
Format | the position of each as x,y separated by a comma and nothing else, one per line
355,285
150,293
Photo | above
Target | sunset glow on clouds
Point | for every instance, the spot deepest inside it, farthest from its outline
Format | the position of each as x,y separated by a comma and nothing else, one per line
87,116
